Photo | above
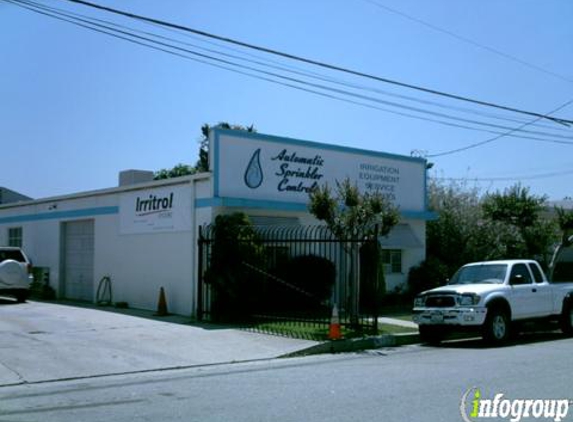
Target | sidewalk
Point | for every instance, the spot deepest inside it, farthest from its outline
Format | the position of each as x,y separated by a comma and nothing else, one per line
398,322
370,342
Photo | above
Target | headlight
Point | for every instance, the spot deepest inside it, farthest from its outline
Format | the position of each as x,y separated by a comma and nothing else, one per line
468,300
419,301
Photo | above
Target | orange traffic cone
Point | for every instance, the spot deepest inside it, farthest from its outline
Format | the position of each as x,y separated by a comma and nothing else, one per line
334,329
162,304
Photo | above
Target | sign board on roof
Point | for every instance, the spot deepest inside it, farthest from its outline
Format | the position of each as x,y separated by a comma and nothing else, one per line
259,167
164,209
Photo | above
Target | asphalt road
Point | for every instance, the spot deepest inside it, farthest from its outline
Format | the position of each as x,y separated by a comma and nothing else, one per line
413,383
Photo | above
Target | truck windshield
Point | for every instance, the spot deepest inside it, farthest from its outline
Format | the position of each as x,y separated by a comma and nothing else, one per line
477,274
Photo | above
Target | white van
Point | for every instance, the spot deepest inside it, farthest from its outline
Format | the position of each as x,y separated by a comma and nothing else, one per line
563,266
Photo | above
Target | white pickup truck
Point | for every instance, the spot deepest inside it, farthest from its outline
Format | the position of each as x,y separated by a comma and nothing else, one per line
490,297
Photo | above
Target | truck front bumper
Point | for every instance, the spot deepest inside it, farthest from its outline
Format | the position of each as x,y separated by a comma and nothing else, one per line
450,316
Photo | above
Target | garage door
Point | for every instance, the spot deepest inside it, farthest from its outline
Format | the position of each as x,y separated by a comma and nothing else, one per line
79,260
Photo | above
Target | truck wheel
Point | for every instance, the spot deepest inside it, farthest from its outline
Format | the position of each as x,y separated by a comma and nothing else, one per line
496,327
431,334
567,319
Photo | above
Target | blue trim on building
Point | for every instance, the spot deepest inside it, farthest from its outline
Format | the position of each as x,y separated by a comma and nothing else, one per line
313,144
426,193
250,203
418,215
286,206
215,165
55,215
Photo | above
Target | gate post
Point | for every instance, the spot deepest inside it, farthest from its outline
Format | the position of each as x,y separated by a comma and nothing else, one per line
376,279
200,243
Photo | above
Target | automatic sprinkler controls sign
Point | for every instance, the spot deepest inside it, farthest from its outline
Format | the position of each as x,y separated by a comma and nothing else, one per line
294,172
269,169
474,407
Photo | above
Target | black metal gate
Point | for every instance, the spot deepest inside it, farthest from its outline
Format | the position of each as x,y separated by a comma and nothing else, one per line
291,274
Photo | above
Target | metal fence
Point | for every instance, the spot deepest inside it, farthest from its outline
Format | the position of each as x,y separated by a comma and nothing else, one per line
289,276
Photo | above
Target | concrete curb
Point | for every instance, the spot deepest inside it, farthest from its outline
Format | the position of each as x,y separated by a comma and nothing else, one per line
357,344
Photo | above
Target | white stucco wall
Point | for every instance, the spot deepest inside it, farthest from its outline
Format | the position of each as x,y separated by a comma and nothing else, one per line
410,257
138,264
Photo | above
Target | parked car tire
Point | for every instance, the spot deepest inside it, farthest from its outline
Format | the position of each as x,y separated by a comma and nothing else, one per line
431,334
496,329
567,318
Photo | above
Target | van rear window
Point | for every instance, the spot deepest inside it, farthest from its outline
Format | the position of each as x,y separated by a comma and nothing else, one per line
15,255
563,272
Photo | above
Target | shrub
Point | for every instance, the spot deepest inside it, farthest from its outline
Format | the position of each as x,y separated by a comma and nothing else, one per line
308,282
429,274
235,286
372,281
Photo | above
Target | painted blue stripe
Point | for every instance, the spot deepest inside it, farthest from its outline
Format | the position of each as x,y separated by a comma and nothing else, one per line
419,215
215,165
55,215
249,203
287,206
208,202
312,144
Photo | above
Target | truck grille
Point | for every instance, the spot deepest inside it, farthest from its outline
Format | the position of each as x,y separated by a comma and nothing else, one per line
440,301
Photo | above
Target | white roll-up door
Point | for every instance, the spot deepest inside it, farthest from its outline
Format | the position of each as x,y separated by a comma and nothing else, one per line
79,260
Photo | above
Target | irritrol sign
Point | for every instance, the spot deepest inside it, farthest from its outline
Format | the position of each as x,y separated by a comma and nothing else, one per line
266,168
154,205
156,210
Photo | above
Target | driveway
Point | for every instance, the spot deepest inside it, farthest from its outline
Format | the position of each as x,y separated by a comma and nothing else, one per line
47,341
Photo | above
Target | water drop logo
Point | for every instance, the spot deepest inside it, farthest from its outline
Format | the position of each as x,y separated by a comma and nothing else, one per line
254,172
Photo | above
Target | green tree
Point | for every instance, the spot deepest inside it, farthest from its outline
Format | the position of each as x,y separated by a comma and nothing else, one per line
177,171
451,235
202,164
461,233
471,228
354,218
517,208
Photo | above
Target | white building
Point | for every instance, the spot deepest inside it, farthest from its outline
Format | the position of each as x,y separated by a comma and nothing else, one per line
143,234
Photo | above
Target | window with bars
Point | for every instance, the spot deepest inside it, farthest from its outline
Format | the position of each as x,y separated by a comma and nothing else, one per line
15,236
392,261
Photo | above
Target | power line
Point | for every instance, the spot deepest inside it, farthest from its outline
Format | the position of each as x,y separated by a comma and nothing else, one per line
165,50
495,138
508,178
469,41
223,64
318,63
348,84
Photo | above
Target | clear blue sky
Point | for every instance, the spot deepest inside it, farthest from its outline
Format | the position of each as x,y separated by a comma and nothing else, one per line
76,106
